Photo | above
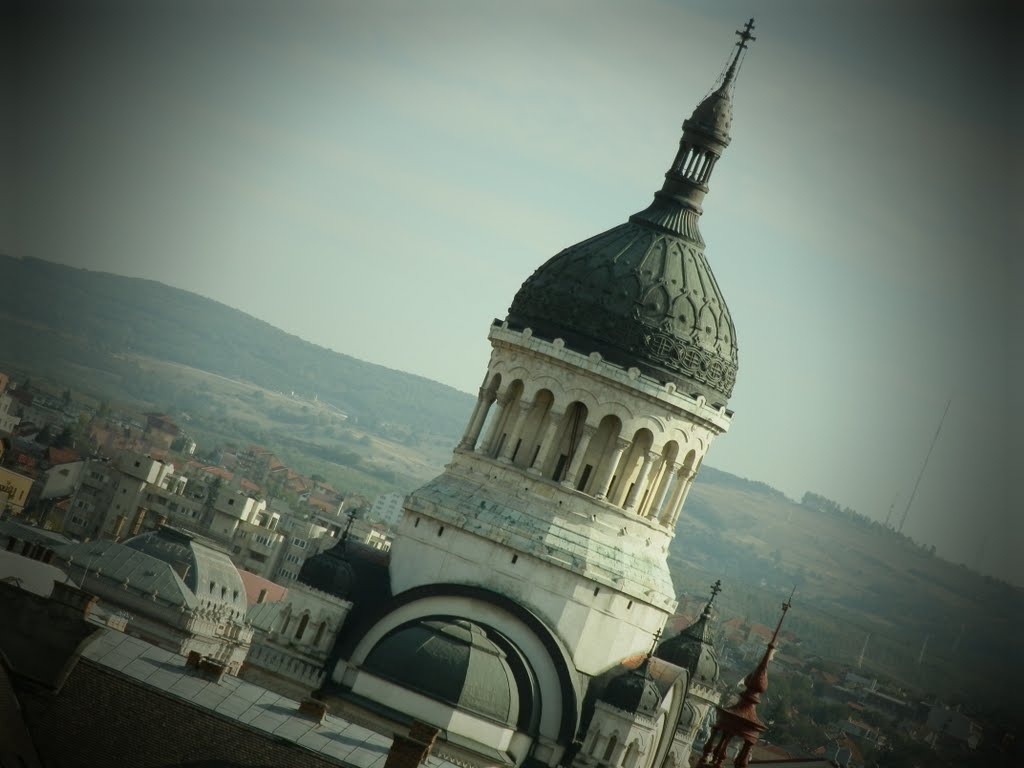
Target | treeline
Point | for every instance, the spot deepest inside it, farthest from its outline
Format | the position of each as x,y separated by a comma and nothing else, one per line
822,504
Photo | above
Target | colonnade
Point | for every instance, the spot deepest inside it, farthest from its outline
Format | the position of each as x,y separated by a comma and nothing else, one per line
573,447
695,164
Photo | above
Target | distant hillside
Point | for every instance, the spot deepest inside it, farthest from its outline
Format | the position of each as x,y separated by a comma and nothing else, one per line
853,578
55,315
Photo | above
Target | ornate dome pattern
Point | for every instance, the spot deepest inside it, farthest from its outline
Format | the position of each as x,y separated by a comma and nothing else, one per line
641,295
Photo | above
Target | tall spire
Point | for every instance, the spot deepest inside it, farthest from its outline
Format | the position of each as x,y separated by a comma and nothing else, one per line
677,204
741,718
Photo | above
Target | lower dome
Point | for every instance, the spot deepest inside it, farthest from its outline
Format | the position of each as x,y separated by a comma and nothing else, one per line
452,661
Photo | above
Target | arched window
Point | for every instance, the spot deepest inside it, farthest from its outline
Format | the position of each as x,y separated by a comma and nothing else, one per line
613,742
302,626
319,633
632,756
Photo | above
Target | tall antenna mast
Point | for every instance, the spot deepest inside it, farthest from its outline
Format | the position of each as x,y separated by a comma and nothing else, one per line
863,648
924,467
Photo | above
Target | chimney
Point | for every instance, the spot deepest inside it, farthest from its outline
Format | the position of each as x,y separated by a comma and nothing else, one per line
313,708
410,751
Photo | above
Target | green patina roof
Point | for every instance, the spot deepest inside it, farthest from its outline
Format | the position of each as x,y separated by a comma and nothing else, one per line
452,661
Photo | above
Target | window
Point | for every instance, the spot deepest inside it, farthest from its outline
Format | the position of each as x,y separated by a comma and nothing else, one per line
515,559
440,530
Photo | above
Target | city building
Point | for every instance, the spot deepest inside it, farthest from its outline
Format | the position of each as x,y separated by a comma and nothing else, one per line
169,587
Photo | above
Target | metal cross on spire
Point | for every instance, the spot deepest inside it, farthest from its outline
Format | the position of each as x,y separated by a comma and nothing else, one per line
745,35
741,46
715,589
348,526
654,645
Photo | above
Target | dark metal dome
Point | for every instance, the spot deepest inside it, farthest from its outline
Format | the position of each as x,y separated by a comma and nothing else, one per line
642,295
329,572
452,661
634,691
692,650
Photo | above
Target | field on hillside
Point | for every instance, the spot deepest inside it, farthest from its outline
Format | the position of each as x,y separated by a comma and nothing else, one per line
308,434
853,580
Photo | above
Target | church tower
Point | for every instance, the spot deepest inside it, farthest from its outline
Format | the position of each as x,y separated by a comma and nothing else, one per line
537,560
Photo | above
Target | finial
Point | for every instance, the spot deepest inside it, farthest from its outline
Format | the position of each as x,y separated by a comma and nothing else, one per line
715,589
654,645
785,607
348,526
745,37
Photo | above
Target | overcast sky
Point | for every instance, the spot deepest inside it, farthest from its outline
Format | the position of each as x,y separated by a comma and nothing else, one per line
380,177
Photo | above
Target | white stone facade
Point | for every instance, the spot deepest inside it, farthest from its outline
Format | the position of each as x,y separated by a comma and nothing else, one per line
296,646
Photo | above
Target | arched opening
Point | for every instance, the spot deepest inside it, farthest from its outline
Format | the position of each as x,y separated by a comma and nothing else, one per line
319,636
530,435
595,475
609,751
630,465
303,622
505,419
567,438
632,755
661,481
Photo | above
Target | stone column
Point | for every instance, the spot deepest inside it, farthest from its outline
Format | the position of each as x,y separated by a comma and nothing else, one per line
666,482
677,490
686,478
476,421
547,442
641,480
492,433
577,458
517,431
607,469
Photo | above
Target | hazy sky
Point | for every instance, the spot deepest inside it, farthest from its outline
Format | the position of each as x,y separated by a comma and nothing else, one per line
380,177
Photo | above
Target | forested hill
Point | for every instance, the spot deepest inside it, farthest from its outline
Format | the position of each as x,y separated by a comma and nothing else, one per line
62,314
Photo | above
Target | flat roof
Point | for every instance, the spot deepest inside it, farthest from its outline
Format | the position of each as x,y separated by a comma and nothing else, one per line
276,715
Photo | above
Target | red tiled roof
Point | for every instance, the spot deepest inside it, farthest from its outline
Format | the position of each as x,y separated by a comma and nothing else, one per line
255,584
63,456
